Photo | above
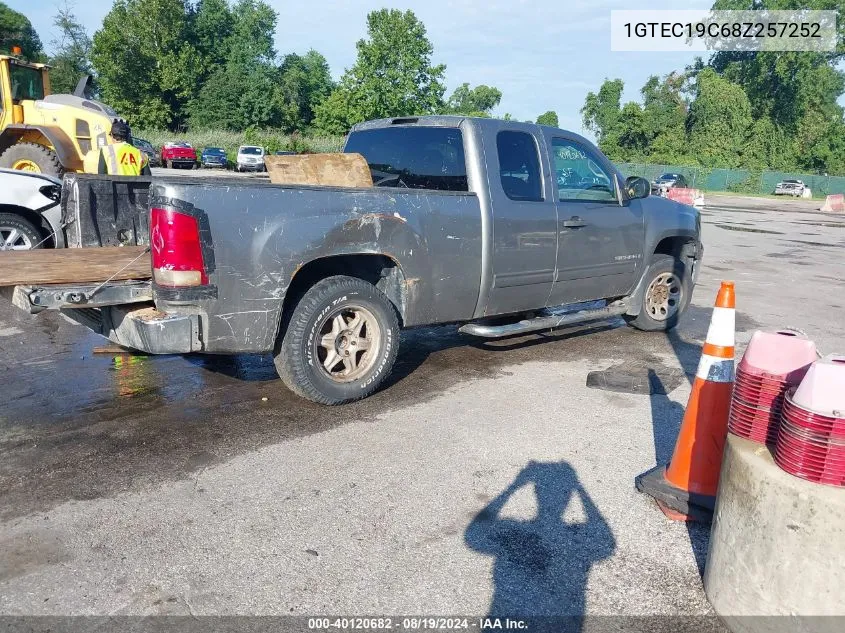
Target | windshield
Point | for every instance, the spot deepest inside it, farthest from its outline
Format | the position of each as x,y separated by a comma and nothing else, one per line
213,150
142,144
668,177
26,83
252,151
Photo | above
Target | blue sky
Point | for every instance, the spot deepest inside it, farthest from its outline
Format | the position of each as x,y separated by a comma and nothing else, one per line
542,54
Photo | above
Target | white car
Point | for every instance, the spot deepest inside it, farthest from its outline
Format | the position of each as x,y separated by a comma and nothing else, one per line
250,158
790,188
30,213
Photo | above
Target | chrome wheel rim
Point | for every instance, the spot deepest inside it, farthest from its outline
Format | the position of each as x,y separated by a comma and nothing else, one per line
663,297
348,343
12,239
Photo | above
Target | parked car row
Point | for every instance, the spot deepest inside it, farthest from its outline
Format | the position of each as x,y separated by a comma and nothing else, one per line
180,154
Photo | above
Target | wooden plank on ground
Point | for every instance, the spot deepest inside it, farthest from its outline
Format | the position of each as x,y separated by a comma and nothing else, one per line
331,170
72,265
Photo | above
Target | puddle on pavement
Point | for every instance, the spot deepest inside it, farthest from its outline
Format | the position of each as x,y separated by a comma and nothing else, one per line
733,227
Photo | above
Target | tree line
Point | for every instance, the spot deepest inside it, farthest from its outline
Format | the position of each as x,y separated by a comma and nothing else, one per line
754,110
211,64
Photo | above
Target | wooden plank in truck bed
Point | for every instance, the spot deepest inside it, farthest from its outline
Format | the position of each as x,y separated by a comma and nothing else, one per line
71,265
331,170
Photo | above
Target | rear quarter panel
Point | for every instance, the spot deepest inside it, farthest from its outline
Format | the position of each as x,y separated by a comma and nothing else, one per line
262,235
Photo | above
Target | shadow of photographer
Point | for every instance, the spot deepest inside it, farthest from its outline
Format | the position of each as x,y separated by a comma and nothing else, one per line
542,564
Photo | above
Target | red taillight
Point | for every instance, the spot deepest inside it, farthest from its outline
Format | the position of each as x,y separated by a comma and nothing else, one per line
176,249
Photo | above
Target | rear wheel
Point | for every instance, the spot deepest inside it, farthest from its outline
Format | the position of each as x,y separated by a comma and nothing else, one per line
18,234
32,157
667,294
340,342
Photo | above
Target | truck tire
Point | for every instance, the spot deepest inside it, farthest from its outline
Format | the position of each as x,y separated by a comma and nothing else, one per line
18,234
32,157
319,354
668,290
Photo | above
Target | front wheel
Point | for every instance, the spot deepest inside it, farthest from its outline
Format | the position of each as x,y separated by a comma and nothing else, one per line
667,294
18,234
340,342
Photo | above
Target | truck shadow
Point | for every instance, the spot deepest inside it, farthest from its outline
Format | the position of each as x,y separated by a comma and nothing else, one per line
416,347
542,564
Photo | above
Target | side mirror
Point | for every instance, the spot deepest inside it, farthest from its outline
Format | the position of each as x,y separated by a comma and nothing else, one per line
637,187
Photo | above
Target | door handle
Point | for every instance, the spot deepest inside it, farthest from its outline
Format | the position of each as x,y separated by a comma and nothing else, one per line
574,222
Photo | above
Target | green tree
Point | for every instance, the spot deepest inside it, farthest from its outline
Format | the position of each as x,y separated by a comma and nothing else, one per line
478,101
304,82
797,92
211,25
16,30
719,121
145,62
664,118
548,118
240,90
601,115
71,58
392,76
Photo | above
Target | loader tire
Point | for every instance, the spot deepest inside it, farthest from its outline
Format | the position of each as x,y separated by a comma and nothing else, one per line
32,157
339,342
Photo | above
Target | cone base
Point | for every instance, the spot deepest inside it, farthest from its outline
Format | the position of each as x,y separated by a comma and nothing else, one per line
676,503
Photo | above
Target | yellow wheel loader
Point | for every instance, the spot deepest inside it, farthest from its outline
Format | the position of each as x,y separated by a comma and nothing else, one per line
43,132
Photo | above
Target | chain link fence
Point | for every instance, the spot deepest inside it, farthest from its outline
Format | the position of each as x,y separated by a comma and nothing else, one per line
737,180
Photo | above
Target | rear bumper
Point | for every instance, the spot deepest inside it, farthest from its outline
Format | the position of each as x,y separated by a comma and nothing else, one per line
151,331
143,328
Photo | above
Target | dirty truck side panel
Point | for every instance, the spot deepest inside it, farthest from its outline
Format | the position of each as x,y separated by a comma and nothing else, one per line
262,235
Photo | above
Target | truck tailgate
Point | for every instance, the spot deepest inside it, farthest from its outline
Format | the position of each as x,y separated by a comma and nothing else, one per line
105,210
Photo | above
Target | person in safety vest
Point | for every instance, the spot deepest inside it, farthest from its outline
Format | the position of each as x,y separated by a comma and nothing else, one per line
121,158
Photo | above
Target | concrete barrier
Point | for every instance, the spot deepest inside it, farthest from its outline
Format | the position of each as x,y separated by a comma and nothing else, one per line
834,204
777,546
692,197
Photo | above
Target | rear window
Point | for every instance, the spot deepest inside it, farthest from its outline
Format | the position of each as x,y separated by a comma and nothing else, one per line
413,157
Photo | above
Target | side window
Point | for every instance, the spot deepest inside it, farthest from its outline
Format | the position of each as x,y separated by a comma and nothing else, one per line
578,175
519,166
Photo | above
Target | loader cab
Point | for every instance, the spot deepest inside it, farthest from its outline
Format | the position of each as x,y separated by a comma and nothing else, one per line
20,81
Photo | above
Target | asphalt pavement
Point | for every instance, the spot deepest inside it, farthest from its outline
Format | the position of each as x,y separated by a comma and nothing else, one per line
487,478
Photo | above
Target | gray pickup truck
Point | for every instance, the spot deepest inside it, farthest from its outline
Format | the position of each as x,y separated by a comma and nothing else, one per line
468,219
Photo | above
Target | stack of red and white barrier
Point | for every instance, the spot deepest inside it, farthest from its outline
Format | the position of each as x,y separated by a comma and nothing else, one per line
773,362
811,437
787,398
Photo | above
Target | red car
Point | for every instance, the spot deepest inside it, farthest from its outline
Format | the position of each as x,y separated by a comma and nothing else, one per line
178,154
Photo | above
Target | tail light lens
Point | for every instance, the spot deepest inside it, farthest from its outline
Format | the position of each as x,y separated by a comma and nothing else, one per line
176,249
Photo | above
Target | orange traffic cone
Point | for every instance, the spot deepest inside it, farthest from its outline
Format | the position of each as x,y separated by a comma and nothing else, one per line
686,488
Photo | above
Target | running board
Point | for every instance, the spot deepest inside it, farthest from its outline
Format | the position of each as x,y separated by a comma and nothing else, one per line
545,322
